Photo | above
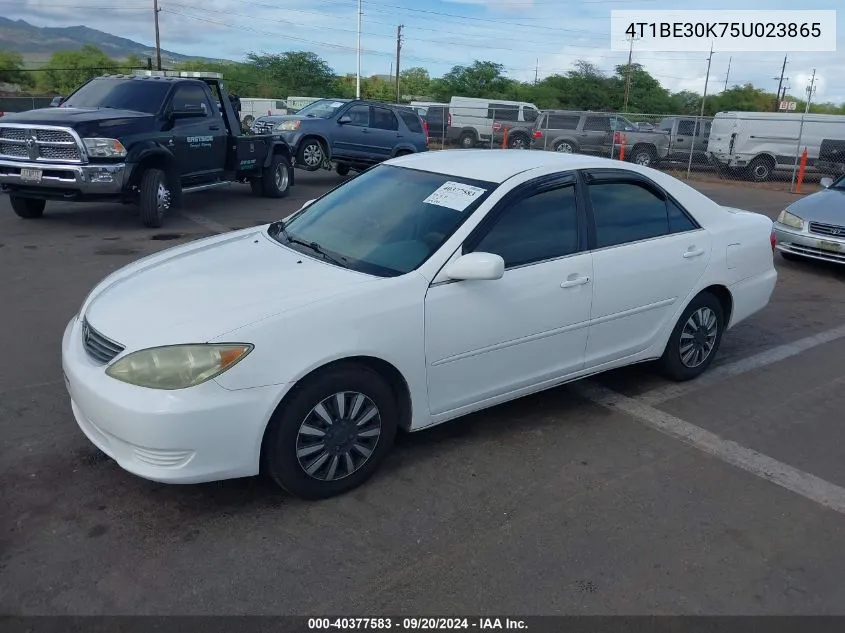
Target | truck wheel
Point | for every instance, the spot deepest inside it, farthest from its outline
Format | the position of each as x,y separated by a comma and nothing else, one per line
342,169
275,181
644,156
310,154
155,198
760,169
28,208
467,140
566,147
518,141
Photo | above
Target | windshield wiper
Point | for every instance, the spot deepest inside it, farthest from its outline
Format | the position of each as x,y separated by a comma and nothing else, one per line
279,229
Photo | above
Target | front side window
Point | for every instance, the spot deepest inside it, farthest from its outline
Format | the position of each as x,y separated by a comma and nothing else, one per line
627,212
686,127
190,98
359,115
503,112
541,227
385,222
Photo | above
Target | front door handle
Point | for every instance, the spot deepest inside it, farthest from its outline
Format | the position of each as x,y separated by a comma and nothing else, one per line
575,280
692,251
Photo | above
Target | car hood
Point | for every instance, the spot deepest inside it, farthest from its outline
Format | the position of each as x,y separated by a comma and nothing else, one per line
827,206
200,291
106,122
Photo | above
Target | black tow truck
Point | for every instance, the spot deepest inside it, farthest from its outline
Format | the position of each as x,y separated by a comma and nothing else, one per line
145,139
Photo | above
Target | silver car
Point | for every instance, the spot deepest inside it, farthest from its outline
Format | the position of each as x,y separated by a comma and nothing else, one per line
814,227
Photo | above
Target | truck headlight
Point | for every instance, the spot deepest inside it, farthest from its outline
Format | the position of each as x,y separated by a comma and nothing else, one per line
104,147
790,219
288,126
177,366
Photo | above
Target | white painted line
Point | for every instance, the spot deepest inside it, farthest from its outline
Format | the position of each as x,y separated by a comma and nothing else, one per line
822,492
203,221
719,374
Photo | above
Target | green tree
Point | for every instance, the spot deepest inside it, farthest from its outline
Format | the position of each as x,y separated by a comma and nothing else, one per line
414,82
12,69
645,93
131,62
378,89
298,73
481,79
744,98
68,70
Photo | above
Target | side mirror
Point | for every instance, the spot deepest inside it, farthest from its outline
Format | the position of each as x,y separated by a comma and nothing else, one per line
826,182
345,119
476,266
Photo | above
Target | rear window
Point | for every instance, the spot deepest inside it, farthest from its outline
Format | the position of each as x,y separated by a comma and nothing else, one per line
412,121
562,121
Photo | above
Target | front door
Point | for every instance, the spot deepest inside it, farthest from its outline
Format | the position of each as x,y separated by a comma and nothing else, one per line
349,139
199,141
649,254
490,339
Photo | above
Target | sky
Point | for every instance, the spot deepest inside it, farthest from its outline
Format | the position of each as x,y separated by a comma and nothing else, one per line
527,37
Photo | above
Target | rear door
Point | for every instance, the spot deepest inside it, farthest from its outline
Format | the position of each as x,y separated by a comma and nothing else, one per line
594,137
384,134
684,138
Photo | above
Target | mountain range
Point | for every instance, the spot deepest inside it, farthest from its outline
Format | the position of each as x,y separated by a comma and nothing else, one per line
36,43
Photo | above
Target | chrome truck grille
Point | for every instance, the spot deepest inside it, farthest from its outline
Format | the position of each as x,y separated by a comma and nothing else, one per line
38,143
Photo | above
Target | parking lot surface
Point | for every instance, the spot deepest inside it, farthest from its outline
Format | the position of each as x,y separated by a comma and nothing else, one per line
621,495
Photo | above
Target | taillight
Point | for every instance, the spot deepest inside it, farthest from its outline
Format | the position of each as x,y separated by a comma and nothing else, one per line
774,240
617,137
538,134
449,119
425,129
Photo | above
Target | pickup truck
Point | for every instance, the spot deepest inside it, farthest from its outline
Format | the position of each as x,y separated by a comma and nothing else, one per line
686,134
147,139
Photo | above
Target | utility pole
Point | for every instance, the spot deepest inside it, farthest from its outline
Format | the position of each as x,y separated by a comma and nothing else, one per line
156,11
811,89
780,83
398,51
358,55
628,76
703,98
728,74
536,71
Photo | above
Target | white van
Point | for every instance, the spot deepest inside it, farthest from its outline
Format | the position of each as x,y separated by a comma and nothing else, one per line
254,107
472,119
759,143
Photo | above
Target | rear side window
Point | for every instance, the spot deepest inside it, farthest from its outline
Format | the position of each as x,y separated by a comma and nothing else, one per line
411,120
562,121
686,127
678,220
627,212
529,114
384,119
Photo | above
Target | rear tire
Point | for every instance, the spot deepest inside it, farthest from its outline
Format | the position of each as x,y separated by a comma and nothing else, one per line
645,156
519,141
565,147
760,169
467,140
27,208
275,180
695,339
312,459
155,198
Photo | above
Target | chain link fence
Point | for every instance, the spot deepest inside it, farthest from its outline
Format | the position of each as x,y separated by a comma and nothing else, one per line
22,104
788,150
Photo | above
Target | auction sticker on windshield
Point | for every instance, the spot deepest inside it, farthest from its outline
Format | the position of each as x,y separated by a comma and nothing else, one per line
454,195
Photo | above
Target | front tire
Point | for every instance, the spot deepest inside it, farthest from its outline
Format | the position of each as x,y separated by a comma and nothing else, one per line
332,433
694,340
155,198
27,208
311,154
760,169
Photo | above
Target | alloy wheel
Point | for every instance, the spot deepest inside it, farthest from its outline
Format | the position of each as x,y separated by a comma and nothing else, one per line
698,338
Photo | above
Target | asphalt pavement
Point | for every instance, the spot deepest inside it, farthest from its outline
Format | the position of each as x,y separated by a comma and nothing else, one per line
621,495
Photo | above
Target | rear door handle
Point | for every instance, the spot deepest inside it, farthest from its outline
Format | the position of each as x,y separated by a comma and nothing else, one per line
693,252
575,280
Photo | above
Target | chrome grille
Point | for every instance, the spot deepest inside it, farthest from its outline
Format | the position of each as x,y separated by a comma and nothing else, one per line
262,128
101,348
39,143
831,230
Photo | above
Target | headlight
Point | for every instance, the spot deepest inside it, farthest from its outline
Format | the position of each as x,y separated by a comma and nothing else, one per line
104,147
177,366
790,219
288,126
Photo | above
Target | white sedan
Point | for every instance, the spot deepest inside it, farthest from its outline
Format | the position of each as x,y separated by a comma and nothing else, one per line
428,287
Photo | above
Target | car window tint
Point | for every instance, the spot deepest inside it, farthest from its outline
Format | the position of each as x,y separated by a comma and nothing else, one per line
503,112
597,124
529,114
384,119
360,115
412,121
562,121
678,220
626,212
541,227
686,127
190,98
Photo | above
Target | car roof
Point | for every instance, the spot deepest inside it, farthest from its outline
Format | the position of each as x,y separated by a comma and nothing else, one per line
499,165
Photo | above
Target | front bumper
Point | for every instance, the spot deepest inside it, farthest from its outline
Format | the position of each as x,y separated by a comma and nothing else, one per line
58,178
204,433
806,244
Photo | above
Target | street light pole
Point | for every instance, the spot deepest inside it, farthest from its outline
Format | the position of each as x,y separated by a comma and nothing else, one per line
810,90
697,129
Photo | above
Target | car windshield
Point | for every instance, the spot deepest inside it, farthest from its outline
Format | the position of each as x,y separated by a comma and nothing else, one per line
839,183
385,222
140,95
322,109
